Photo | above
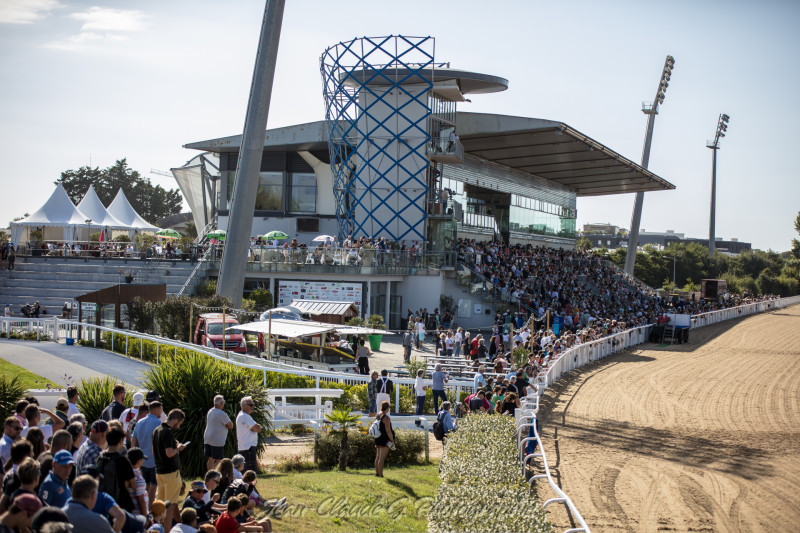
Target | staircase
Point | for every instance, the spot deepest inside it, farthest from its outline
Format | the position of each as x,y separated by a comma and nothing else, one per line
55,280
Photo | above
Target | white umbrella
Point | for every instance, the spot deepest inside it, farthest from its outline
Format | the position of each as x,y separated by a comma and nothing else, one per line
322,238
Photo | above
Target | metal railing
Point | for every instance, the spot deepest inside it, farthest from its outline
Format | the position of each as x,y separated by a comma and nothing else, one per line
368,261
203,263
594,351
55,329
442,146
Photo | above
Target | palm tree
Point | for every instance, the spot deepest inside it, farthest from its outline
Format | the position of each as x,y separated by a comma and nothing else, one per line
343,420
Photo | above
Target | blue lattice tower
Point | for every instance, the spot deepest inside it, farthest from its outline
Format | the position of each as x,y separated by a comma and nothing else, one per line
376,105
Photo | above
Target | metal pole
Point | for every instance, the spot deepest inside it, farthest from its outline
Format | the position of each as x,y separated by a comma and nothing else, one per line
711,222
240,222
633,236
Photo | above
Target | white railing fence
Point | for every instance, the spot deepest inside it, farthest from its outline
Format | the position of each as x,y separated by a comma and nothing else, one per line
529,442
55,329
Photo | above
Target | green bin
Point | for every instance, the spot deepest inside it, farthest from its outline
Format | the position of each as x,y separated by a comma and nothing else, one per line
375,342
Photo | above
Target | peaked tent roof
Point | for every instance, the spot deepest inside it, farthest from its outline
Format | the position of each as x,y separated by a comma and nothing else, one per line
58,210
92,207
122,210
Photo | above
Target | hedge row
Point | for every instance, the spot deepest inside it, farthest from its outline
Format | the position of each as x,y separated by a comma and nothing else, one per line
481,486
410,448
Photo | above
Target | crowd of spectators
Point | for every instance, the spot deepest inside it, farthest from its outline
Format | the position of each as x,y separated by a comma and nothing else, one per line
121,473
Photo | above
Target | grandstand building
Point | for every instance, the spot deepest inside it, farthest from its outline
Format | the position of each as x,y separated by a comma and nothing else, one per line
396,158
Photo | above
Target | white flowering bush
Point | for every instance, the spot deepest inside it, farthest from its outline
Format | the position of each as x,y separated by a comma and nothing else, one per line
482,489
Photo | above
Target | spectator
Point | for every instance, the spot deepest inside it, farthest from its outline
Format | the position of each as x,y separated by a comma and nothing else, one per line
91,448
62,440
20,451
114,410
79,508
20,515
227,522
138,493
439,379
238,464
143,438
363,355
477,402
36,437
130,414
72,398
408,339
54,490
479,380
372,393
33,414
144,410
446,419
247,431
510,404
118,476
386,439
195,501
168,462
28,474
188,521
11,434
159,512
19,412
49,517
385,388
421,389
77,434
106,506
218,423
62,406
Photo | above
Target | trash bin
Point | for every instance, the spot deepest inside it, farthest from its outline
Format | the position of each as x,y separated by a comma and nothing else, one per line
375,342
70,341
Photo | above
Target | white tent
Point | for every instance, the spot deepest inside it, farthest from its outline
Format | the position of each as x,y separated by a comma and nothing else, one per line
57,212
92,207
122,210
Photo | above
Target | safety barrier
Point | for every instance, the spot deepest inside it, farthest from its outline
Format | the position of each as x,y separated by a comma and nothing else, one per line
528,438
56,329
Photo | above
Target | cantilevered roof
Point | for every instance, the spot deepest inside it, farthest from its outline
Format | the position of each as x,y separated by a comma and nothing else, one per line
554,151
547,149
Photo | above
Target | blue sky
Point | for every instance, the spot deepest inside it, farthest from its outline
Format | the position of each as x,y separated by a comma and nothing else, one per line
100,81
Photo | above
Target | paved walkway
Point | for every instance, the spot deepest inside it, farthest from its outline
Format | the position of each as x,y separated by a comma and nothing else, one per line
67,365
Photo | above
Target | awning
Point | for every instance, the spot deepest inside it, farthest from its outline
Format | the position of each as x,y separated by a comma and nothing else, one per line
302,328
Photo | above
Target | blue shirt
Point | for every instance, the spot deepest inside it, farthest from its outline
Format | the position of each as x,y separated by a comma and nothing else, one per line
438,380
104,503
143,433
480,381
447,422
54,492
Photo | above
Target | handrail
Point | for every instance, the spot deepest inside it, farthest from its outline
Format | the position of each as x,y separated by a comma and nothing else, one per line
202,262
592,351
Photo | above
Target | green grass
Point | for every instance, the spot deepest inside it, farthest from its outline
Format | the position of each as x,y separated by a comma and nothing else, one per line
27,378
355,500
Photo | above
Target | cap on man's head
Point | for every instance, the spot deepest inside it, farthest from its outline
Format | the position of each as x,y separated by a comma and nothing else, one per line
199,486
63,458
99,426
153,396
62,404
28,502
138,399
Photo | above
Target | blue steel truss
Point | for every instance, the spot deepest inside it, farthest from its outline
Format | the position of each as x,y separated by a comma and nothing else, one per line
371,176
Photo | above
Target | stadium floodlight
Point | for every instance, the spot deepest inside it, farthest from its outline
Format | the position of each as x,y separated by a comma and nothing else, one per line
722,127
651,111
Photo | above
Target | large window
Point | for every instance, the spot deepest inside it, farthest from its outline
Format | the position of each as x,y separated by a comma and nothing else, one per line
303,193
270,192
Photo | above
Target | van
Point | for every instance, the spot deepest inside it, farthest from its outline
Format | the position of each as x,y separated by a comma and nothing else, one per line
209,332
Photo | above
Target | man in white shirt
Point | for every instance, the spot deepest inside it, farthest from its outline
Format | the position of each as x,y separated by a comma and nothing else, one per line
131,413
72,398
247,431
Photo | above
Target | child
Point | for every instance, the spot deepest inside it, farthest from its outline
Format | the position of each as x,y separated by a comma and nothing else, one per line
227,522
159,511
139,492
245,516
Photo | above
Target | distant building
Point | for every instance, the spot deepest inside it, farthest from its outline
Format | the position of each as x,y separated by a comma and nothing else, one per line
661,240
600,228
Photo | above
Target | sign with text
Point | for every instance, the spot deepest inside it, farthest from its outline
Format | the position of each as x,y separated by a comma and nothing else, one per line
320,290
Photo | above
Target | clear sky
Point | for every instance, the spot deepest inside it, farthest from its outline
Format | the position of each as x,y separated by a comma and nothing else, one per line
92,81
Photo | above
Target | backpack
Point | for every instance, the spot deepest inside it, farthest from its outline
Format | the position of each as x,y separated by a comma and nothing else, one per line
438,428
375,429
108,468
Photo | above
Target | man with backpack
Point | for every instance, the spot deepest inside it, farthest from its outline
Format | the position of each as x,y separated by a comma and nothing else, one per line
444,423
115,408
117,472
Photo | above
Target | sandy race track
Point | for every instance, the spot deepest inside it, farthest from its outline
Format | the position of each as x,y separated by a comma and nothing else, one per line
703,436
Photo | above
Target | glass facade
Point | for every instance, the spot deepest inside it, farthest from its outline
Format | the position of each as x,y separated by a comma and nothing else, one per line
303,189
286,192
270,191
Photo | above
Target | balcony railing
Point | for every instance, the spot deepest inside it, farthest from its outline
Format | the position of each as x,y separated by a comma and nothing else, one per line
445,151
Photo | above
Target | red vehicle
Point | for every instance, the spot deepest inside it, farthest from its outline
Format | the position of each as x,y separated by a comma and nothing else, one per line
209,332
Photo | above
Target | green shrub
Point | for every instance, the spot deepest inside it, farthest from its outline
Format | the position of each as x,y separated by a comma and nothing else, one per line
262,299
96,394
189,381
483,448
11,391
410,448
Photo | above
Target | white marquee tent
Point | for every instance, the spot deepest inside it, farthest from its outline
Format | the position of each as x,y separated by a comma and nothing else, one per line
57,212
122,210
93,208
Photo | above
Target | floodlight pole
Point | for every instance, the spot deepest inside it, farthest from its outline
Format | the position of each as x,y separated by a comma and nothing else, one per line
722,127
651,111
240,221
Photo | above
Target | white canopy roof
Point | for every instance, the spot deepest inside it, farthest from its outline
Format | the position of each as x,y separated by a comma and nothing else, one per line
93,208
122,210
57,211
302,328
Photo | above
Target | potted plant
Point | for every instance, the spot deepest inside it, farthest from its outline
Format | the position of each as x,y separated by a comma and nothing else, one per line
375,322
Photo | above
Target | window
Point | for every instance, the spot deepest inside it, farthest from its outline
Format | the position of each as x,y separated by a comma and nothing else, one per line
270,191
303,193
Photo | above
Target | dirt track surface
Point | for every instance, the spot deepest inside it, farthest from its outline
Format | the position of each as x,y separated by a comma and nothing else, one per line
703,436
